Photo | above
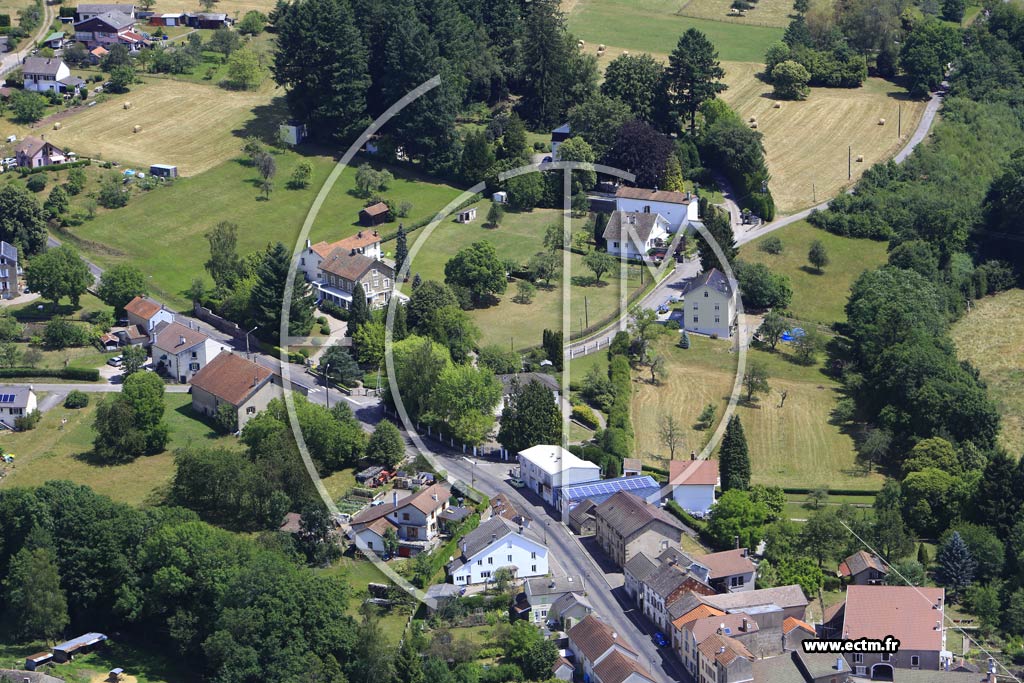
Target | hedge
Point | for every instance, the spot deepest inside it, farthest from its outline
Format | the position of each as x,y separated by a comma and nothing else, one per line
585,416
803,490
80,374
698,525
53,167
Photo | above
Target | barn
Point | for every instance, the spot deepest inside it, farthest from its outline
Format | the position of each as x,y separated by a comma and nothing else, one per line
375,214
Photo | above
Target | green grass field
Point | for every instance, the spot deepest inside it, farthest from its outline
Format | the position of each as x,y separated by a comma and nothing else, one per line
57,451
818,297
161,231
989,337
141,664
654,26
764,13
520,236
794,445
360,572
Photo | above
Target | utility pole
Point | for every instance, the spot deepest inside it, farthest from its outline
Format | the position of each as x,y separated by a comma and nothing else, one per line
586,311
899,122
849,162
814,194
327,385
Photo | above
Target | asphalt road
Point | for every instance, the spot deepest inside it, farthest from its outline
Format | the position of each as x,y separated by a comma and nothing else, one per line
610,603
13,60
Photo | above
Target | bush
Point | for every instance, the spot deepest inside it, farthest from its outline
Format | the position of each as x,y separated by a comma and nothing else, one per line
27,422
585,416
78,374
770,245
76,399
37,183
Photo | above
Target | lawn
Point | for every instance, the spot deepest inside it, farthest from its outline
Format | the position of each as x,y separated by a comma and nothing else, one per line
764,13
190,125
794,445
177,216
989,337
141,664
655,26
359,573
818,297
57,451
520,236
807,142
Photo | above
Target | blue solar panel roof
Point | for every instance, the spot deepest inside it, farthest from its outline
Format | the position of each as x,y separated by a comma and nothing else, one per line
608,487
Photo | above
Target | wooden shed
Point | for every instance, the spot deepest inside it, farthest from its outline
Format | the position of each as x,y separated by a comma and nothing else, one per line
467,215
375,214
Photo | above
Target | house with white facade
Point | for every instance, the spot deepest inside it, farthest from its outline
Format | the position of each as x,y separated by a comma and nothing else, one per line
710,305
414,520
693,484
632,234
678,208
546,469
730,571
365,242
15,402
494,545
558,136
540,595
43,74
342,270
147,314
180,351
9,270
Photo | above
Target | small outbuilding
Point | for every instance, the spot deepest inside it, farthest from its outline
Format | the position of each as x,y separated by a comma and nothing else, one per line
467,215
293,132
163,171
375,214
33,662
500,197
66,651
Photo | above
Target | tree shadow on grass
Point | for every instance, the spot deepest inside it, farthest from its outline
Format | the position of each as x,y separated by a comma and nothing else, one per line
811,270
587,281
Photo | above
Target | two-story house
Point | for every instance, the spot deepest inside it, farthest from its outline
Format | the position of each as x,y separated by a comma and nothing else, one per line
89,10
44,74
8,270
15,402
33,152
414,520
229,379
913,615
539,594
678,208
343,270
709,305
180,351
601,656
693,484
147,313
704,622
863,569
627,525
632,234
108,29
730,571
545,469
724,659
365,242
496,544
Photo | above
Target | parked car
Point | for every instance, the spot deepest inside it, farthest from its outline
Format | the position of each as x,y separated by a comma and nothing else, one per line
115,361
660,639
548,160
517,482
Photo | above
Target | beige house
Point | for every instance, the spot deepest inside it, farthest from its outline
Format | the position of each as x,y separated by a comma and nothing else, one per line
601,656
627,525
365,242
233,380
180,351
343,270
710,305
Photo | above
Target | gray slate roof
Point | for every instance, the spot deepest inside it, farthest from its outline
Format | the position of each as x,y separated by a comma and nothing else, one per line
103,8
44,66
8,251
714,278
643,224
14,396
783,596
641,567
583,509
484,535
665,580
551,585
627,514
567,601
116,20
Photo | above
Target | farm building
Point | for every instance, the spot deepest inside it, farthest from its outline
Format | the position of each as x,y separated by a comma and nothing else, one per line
643,487
66,651
210,20
294,132
172,19
375,214
33,662
163,171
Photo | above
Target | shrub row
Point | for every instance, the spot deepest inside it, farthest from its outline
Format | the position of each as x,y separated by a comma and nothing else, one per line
802,490
585,416
53,167
79,374
698,525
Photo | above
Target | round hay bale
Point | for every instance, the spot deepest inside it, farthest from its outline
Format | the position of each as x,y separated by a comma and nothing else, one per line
752,119
754,124
580,43
777,105
127,105
137,129
56,126
601,47
625,52
881,122
860,157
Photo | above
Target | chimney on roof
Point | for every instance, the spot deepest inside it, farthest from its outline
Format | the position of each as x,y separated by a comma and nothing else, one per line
615,634
181,340
839,663
434,496
377,234
938,625
359,234
745,624
463,548
693,455
494,537
308,243
745,552
394,498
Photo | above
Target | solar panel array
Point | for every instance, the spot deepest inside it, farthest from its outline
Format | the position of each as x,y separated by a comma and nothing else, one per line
607,488
8,398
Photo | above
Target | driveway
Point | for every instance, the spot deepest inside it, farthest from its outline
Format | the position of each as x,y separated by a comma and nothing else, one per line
13,60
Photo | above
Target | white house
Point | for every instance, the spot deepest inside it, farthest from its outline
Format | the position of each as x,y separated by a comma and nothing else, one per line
147,314
693,484
180,351
541,594
494,545
730,571
15,402
633,234
414,519
365,242
45,73
546,469
678,208
710,305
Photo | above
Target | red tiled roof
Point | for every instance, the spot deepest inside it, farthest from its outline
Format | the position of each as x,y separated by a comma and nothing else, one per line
349,266
792,623
703,629
861,561
376,209
231,378
617,667
908,613
723,649
693,472
700,612
593,637
142,307
727,563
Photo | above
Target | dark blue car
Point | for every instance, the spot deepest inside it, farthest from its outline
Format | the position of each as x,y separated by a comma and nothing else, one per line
660,639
